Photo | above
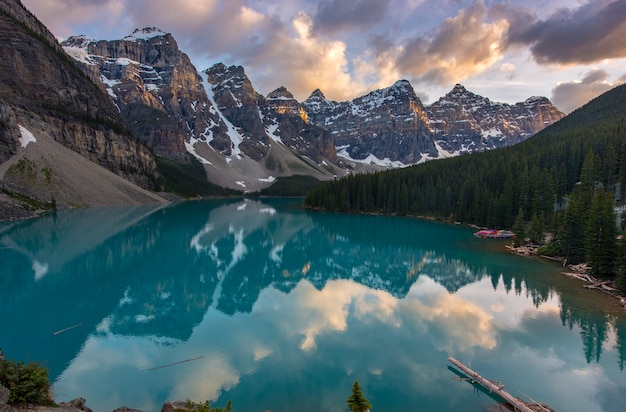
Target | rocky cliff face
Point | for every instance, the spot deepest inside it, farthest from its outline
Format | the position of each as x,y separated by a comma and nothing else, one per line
42,89
154,85
465,122
267,123
382,127
242,106
296,131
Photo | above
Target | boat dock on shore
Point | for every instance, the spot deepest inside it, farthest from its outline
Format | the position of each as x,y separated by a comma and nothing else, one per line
498,389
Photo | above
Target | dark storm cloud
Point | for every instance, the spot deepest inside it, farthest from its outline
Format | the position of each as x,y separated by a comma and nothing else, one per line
336,15
590,33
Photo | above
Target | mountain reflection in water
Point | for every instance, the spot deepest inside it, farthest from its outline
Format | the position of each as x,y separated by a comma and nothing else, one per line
282,309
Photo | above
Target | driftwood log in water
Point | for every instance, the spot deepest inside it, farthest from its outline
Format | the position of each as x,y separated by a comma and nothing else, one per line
498,389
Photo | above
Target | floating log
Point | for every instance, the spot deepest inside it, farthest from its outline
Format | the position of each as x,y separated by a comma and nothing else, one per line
176,363
58,332
497,389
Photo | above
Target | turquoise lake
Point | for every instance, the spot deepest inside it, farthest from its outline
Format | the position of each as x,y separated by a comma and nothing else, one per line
281,309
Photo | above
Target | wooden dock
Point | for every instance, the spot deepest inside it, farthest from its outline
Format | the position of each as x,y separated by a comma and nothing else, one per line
514,402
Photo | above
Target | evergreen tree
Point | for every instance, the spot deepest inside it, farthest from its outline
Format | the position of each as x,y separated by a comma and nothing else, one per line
574,230
621,263
519,228
536,231
589,173
357,401
600,244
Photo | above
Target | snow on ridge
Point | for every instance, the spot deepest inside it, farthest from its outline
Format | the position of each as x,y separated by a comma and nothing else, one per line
79,54
79,41
444,154
192,150
271,129
369,160
235,137
146,33
26,136
493,132
125,61
271,132
285,98
268,180
109,85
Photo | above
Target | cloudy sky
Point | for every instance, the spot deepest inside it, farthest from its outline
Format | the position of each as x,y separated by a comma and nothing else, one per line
567,50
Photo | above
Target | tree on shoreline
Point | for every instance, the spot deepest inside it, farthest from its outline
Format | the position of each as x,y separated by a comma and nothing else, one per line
621,263
600,233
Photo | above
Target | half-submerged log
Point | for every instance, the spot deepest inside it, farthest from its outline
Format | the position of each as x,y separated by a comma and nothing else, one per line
498,389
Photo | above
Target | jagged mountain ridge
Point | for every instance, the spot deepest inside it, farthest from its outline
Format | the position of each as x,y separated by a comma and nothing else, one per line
245,139
391,127
464,122
216,115
391,124
155,87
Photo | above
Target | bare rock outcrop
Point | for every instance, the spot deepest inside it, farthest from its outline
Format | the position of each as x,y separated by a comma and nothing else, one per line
43,88
154,85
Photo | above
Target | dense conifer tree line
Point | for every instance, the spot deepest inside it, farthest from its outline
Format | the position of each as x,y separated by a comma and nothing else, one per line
565,180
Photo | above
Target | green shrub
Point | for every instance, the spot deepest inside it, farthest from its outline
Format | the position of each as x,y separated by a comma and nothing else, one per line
28,383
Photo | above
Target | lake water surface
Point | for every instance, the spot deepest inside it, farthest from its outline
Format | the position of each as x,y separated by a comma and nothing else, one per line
281,309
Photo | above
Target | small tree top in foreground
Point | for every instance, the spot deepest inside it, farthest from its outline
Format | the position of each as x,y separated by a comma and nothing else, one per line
357,402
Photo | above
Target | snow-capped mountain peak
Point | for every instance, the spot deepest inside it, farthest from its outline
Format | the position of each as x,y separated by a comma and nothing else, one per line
146,33
80,41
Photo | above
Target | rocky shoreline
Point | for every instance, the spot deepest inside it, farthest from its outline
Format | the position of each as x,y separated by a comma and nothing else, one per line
10,212
579,272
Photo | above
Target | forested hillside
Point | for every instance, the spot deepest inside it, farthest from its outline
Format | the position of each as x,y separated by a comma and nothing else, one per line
579,161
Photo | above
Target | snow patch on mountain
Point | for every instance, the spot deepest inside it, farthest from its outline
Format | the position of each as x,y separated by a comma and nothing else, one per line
444,154
109,85
271,132
493,132
190,146
80,54
235,137
371,159
26,136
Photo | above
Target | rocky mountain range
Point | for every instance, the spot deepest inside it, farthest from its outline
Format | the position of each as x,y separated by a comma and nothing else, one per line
391,127
220,108
216,115
124,104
